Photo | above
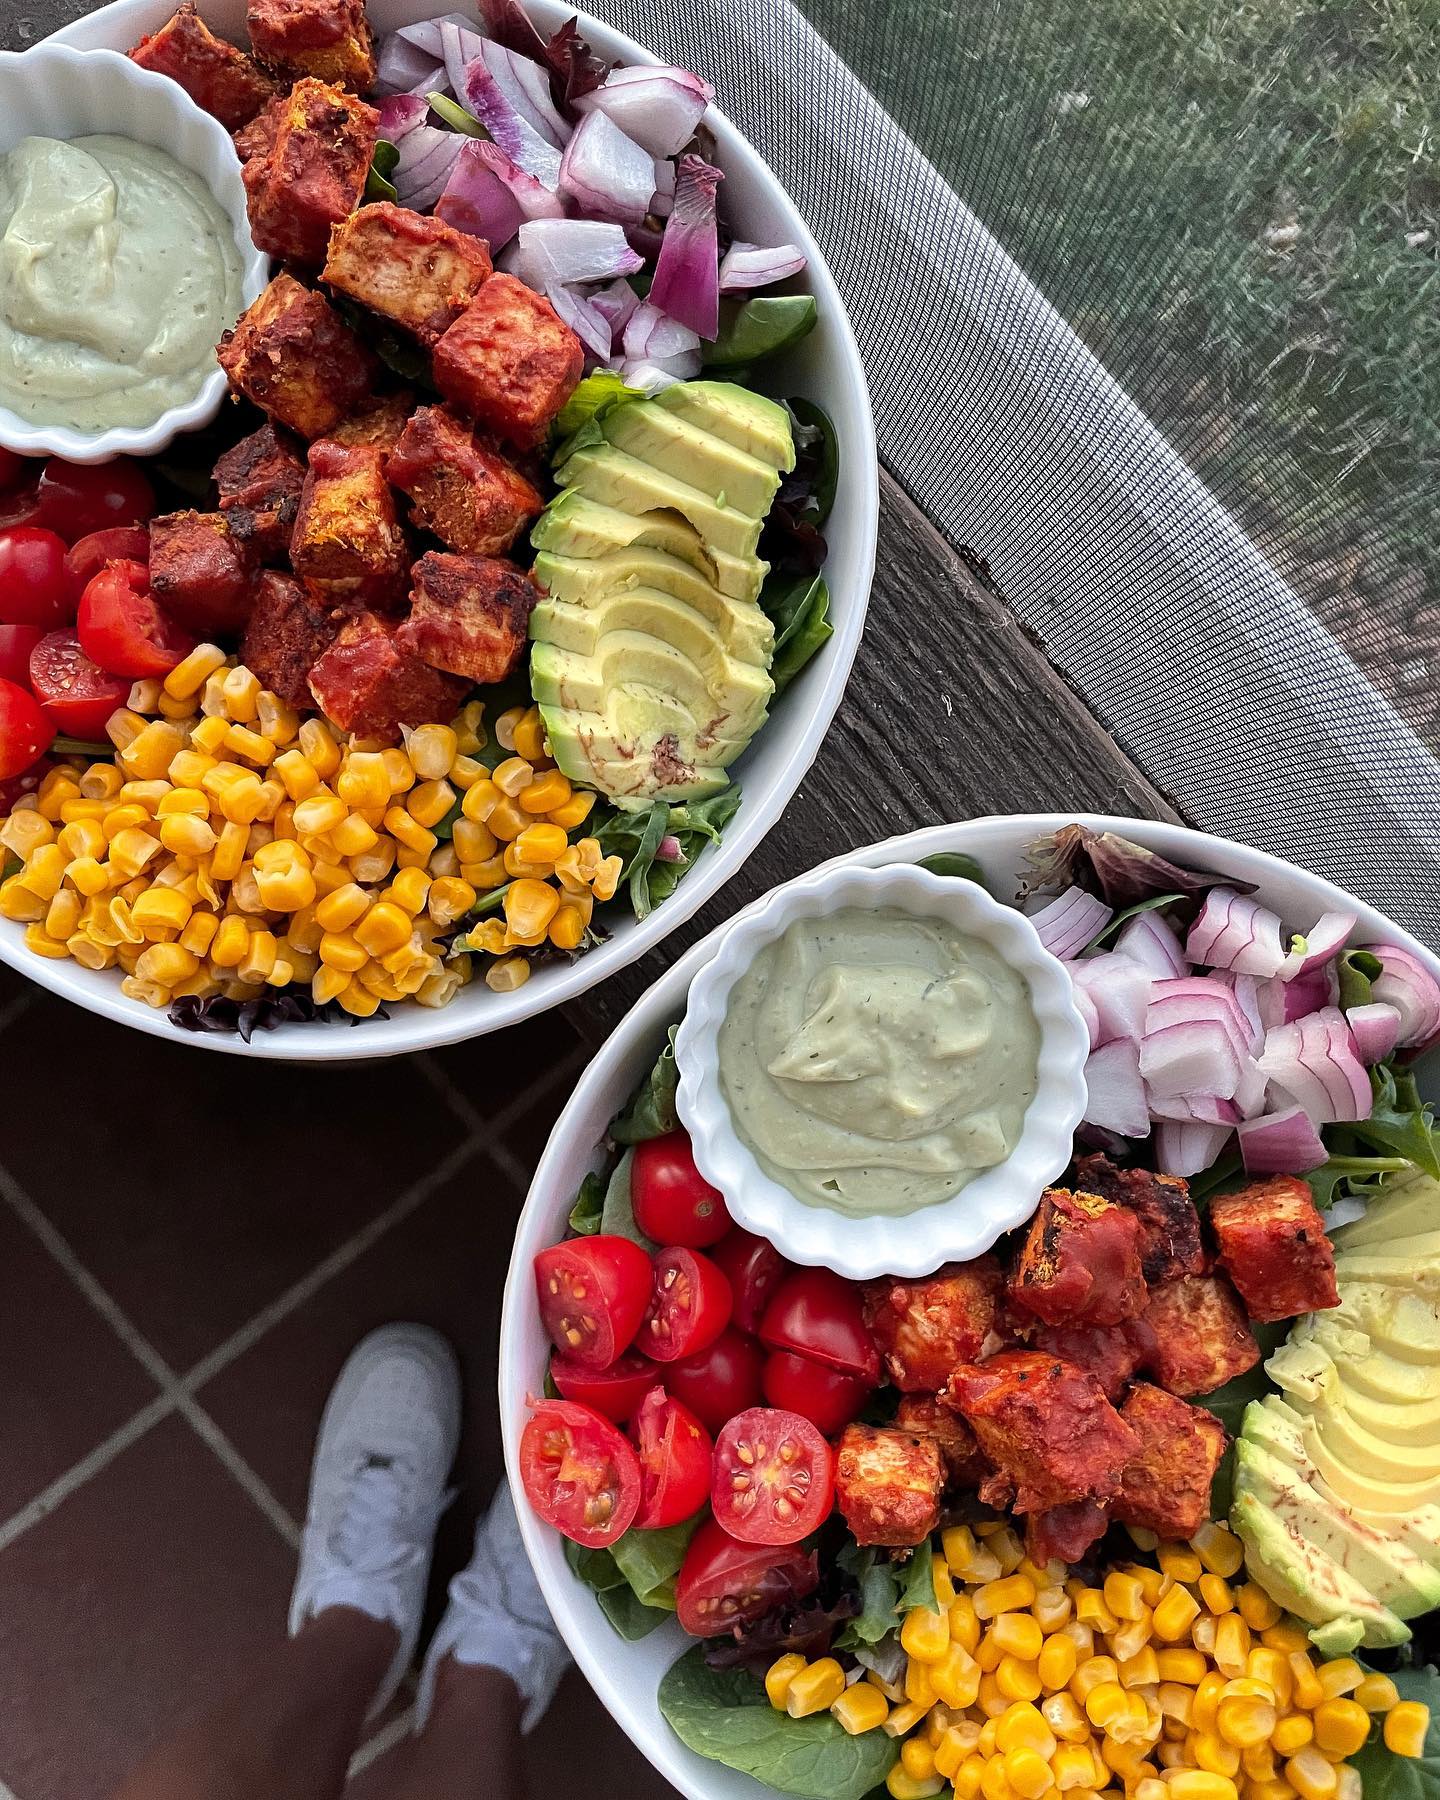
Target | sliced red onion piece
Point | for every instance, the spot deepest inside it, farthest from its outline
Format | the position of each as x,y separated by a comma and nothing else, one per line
748,266
668,850
1235,932
1202,1109
1085,1006
662,200
1281,1143
1316,1062
511,130
1321,945
1118,991
1376,1028
1151,941
402,68
1116,1093
1253,1091
478,199
1281,1001
1066,925
559,252
1407,985
1195,1056
653,337
650,376
1183,997
460,45
426,34
504,67
400,114
1246,989
427,156
606,174
1345,1211
590,326
534,83
658,107
1188,1149
687,272
617,301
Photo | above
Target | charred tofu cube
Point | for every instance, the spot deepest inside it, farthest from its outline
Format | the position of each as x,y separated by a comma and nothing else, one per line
258,137
1080,1264
1112,1353
219,78
1166,1488
1064,1533
201,573
313,174
331,39
923,1416
1045,1425
1170,1243
888,1484
1274,1247
379,425
288,631
408,267
259,480
924,1328
295,357
509,362
1194,1335
366,683
468,614
348,542
470,497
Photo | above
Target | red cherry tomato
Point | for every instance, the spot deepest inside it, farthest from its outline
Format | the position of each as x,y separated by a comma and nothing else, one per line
754,1269
616,1392
16,643
724,1583
689,1305
123,629
78,498
15,787
675,1453
826,1397
773,1479
720,1381
12,466
674,1203
817,1313
35,586
120,543
77,694
580,1474
25,733
20,506
593,1293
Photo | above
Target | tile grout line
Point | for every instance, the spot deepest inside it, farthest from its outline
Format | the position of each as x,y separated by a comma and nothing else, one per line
373,1748
104,1453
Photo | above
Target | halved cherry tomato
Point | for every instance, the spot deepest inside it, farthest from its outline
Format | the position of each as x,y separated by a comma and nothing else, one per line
118,543
718,1382
77,694
828,1398
593,1294
12,465
35,585
773,1479
674,1203
15,787
724,1583
817,1313
21,505
689,1305
754,1269
16,643
78,498
25,733
675,1453
580,1474
123,629
616,1392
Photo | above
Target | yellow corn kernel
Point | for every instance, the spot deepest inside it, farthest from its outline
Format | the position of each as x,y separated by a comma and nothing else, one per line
956,1677
1292,1733
128,816
956,1743
182,712
353,836
229,852
39,940
1177,1702
1211,1751
1009,1593
122,728
1207,1700
1377,1693
1341,1676
1023,1727
1341,1726
385,927
1285,1638
81,837
1216,1593
1125,1760
859,1709
89,952
78,808
1407,1725
363,779
1311,1776
1123,1594
530,734
101,781
88,876
541,843
512,776
1257,1763
545,793
340,950
994,1782
509,973
409,891
1090,1673
814,1688
1256,1607
1269,1666
241,691
399,770
919,1685
1351,1785
901,1786
1179,1562
357,1000
505,725
186,834
188,676
1140,1670
341,908
1232,1645
328,984
1091,1609
227,948
1056,1663
605,883
240,740
209,736
1308,1692
1017,1679
374,864
1028,1773
988,1653
145,794
1017,1634
473,842
130,852
278,721
430,801
1219,1549
1200,1784
1246,1719
1105,1703
779,1676
149,755
25,830
199,933
1132,1636
574,811
259,958
317,745
318,814
161,909
480,800
969,1777
298,774
917,1758
506,820
904,1718
1073,1766
1279,1789
288,888
62,919
242,802
1202,1633
409,831
529,908
1052,1608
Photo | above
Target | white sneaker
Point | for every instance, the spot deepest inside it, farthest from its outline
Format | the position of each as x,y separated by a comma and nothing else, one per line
497,1618
378,1485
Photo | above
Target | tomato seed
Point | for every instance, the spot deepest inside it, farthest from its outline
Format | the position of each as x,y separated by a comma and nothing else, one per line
573,1337
554,1284
587,1321
745,1453
788,1452
739,1483
783,1508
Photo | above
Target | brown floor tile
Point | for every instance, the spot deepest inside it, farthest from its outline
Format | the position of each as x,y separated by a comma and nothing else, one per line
66,1380
138,1603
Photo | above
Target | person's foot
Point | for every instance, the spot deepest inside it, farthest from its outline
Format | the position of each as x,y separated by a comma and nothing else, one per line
377,1485
497,1618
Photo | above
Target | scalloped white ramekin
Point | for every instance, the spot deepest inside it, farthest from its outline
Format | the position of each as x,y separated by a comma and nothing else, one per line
995,1201
53,91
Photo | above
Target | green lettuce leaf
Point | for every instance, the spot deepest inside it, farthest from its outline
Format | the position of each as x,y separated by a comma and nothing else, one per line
651,1113
589,1205
617,1215
650,1560
955,863
798,605
1386,1776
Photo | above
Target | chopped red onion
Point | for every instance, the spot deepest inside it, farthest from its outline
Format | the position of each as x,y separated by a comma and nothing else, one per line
658,107
687,273
1316,1062
1187,998
516,135
668,849
1191,1056
1281,1001
1235,932
403,68
1187,1149
1203,1109
427,156
1345,1211
650,376
590,326
1116,1093
1151,941
1065,926
1118,991
1085,1006
534,82
559,252
617,301
605,173
425,35
400,114
478,199
1407,985
505,69
748,266
1246,989
1253,1091
1320,945
663,199
1376,1028
650,336
1281,1143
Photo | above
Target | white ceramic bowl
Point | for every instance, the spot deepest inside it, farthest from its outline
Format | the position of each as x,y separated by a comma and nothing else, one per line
971,1220
52,91
625,1675
826,368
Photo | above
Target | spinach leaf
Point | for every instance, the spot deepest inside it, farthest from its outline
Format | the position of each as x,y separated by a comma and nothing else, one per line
650,1560
798,605
1228,1404
917,1582
589,1205
705,818
651,1113
378,185
953,862
1386,1776
596,1568
1356,970
816,435
638,871
875,1576
596,394
629,1615
723,1714
445,828
1152,904
617,1215
750,329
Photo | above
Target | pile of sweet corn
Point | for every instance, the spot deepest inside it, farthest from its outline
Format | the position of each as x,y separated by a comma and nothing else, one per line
233,848
1164,1683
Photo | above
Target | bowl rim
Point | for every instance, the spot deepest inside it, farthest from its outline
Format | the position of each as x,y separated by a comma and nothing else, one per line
808,709
159,92
969,1221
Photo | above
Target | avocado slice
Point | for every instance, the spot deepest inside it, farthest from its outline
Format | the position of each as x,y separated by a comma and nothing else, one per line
752,423
662,437
725,697
1405,1263
1347,1439
574,526
580,582
1374,1373
615,478
1351,1487
1308,1372
1402,1323
1407,1206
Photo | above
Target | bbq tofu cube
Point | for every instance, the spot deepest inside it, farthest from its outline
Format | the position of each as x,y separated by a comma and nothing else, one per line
348,542
1166,1488
410,268
1169,1224
217,77
1064,1533
1045,1425
1274,1247
201,573
328,38
378,425
922,1415
1195,1335
470,497
258,137
888,1484
468,614
288,631
1080,1264
366,683
925,1328
1112,1353
259,480
313,174
294,356
509,362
